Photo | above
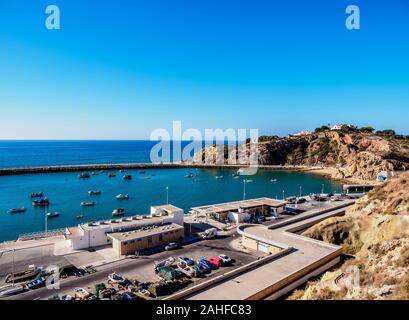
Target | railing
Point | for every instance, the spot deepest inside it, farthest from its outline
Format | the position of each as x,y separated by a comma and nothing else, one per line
41,234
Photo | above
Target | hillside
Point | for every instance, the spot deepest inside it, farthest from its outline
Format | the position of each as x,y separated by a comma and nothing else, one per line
351,155
375,232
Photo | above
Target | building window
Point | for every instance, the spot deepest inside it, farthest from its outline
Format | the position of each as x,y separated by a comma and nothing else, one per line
160,237
125,243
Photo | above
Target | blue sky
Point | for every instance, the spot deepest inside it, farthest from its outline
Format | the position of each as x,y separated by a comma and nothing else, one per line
120,69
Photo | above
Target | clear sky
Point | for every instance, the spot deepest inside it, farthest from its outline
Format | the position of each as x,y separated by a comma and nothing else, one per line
119,69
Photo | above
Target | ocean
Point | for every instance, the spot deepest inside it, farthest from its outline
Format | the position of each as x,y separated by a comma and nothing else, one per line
66,190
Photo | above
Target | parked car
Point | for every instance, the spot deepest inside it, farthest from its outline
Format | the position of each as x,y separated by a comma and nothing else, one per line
186,260
206,264
36,283
92,297
66,297
185,269
107,293
81,293
226,260
172,246
144,292
199,270
129,296
115,278
217,261
117,296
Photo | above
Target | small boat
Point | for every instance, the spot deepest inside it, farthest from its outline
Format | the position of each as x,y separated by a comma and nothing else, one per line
36,195
84,176
111,175
127,177
94,173
103,171
236,177
219,177
190,175
87,204
53,214
248,181
122,170
36,283
273,180
122,196
94,193
41,203
17,210
79,217
118,212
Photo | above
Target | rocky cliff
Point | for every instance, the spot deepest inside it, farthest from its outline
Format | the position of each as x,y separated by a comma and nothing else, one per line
353,155
375,233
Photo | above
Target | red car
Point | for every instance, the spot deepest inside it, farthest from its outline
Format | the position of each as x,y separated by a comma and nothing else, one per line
217,261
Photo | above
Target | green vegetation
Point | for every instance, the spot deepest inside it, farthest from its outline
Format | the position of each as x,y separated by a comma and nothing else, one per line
322,129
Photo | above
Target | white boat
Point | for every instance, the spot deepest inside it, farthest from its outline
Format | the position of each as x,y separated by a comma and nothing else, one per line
189,175
17,210
118,212
248,181
127,177
53,214
94,192
122,196
273,180
219,177
87,204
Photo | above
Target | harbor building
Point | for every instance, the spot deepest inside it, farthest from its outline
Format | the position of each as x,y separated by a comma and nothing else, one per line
147,231
239,211
141,239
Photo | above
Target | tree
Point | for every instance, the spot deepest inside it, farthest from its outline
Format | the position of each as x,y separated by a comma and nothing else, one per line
388,132
367,130
322,129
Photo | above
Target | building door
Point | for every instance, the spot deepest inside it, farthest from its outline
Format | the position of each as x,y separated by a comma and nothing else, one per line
263,247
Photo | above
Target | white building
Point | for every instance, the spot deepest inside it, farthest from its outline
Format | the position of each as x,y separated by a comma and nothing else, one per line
94,234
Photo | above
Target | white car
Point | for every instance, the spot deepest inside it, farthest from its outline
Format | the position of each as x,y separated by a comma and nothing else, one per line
81,293
225,259
115,278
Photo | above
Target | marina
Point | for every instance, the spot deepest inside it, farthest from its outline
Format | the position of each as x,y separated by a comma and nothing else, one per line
66,191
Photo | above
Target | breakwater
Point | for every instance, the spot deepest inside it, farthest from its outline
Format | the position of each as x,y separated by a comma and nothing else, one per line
116,166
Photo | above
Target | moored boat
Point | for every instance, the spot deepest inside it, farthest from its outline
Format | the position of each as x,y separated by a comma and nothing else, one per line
17,210
122,196
79,217
127,177
87,204
53,214
118,212
36,195
84,175
111,175
41,203
94,192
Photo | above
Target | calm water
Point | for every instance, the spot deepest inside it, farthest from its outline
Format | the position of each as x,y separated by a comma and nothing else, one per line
43,153
66,191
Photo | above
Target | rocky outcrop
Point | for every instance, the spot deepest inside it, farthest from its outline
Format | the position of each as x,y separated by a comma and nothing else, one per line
375,232
355,155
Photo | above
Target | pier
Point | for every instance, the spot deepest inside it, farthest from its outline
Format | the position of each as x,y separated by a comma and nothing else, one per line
119,166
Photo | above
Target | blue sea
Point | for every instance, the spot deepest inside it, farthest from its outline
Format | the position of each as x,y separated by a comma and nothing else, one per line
66,190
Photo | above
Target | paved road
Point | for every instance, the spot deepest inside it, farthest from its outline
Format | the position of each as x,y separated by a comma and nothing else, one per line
143,265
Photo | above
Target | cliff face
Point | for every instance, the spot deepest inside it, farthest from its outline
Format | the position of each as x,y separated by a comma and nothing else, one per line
354,155
375,231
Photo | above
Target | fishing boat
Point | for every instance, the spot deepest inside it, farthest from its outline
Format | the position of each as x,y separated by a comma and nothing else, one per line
84,175
79,217
17,210
36,195
122,196
127,177
87,204
189,175
41,203
118,212
53,214
94,193
111,175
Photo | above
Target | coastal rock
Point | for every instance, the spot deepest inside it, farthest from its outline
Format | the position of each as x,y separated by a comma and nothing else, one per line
353,155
